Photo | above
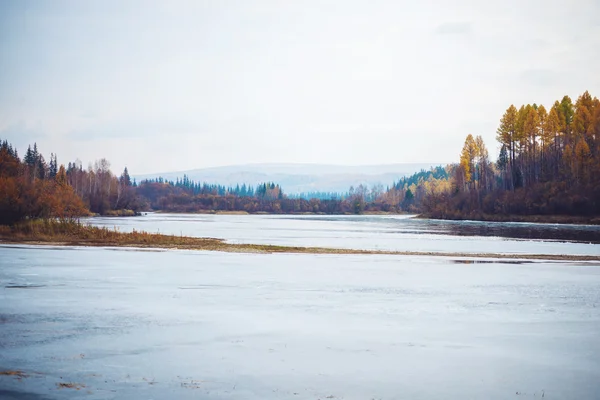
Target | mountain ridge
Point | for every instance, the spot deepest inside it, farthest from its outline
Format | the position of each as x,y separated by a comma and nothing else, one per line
298,178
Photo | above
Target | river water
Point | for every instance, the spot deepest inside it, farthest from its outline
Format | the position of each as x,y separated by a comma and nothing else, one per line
386,232
148,324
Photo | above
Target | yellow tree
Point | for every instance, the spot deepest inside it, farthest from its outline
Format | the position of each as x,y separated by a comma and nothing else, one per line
562,126
581,161
61,176
521,152
483,163
595,131
566,114
543,118
467,158
550,140
531,127
507,136
521,137
583,117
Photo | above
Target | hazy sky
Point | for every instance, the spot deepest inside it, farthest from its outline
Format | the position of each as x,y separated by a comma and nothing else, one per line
174,85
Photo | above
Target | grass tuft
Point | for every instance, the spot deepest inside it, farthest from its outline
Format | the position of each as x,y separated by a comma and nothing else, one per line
17,373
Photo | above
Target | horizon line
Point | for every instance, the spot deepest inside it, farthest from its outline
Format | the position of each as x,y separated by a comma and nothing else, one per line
294,164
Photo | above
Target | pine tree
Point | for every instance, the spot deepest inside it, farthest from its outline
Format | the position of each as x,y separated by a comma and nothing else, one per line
502,165
53,167
125,179
29,158
41,167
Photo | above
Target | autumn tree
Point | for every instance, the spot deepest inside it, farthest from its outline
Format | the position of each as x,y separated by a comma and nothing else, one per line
549,163
507,135
484,171
467,161
531,128
550,142
566,116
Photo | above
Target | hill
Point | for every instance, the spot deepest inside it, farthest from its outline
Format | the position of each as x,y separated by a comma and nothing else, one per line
297,178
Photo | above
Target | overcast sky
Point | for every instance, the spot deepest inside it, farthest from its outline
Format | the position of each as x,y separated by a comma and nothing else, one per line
175,85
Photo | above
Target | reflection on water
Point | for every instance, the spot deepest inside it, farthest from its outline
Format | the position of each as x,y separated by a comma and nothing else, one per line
572,233
513,230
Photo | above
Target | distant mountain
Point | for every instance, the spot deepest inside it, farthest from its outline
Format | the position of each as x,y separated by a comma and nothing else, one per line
298,178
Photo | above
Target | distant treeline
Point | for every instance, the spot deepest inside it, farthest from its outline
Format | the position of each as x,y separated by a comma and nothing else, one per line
266,197
196,188
548,164
34,188
320,195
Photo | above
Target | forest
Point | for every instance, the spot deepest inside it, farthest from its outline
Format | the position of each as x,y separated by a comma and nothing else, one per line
548,165
33,188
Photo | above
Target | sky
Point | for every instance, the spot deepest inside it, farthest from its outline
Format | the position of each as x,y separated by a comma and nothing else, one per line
163,86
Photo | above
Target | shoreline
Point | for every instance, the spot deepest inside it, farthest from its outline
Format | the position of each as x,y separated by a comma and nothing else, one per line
535,219
212,244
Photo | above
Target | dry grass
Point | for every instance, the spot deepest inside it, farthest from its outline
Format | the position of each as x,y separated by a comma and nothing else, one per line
74,233
15,373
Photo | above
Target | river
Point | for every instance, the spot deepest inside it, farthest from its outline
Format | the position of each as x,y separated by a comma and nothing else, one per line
105,323
376,232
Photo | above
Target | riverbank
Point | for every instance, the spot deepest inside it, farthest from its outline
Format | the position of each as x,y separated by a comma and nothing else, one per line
73,233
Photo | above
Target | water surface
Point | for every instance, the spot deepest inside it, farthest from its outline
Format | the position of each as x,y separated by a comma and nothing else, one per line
385,232
129,324
142,324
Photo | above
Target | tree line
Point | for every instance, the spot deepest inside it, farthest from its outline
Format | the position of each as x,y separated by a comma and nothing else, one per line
34,188
548,164
194,187
266,198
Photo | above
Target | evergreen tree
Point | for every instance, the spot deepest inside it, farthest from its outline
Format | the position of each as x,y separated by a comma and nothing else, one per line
502,163
29,157
125,180
41,168
53,168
